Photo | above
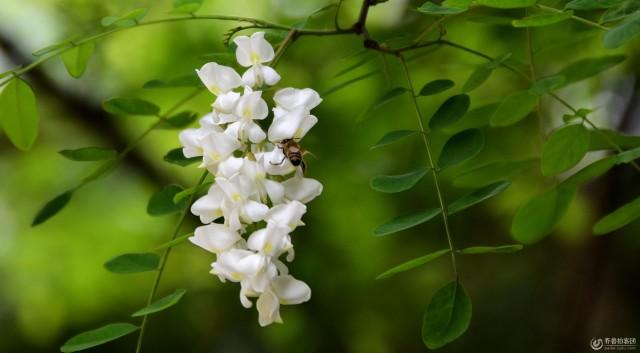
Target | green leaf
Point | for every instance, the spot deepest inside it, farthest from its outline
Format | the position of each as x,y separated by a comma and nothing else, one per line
388,96
52,207
181,81
591,4
513,109
19,113
89,154
474,118
75,60
542,19
186,6
393,136
161,304
589,67
601,140
492,172
624,32
98,336
411,264
161,203
461,147
130,106
590,172
478,196
406,222
434,9
355,65
173,242
482,73
127,20
50,48
435,87
536,218
447,316
452,110
546,85
564,149
620,12
182,195
397,183
175,156
348,83
628,156
133,263
504,249
618,218
506,4
179,120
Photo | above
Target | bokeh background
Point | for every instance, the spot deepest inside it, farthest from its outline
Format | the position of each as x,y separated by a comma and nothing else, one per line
553,296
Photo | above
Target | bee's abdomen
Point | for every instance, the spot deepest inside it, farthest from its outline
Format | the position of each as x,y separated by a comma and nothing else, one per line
295,158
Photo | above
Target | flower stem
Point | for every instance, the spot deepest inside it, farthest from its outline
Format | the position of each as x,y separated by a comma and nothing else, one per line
163,260
432,164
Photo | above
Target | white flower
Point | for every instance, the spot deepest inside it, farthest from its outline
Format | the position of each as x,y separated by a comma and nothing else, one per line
215,238
289,98
258,75
301,189
287,215
265,187
275,162
226,102
209,206
253,50
216,147
250,107
292,124
271,241
285,290
218,78
238,204
191,139
237,264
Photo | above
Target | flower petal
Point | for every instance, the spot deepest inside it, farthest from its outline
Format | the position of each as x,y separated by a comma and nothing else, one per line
261,48
290,290
289,98
268,309
302,189
218,78
214,237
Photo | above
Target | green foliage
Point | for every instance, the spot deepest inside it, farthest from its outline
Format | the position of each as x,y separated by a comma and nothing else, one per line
564,149
513,109
623,33
492,172
130,106
483,72
452,110
411,264
52,207
621,11
179,120
127,20
161,304
536,218
133,263
546,85
434,9
89,154
478,196
398,183
589,67
365,59
435,87
503,249
19,113
591,4
506,4
348,83
181,197
601,140
387,97
75,60
405,222
618,218
542,19
175,156
393,136
186,6
461,147
447,316
190,80
98,336
161,203
51,48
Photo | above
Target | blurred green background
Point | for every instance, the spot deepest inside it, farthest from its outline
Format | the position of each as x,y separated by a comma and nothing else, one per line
551,297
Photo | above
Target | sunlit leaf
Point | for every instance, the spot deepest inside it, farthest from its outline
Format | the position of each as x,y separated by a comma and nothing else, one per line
52,207
179,120
397,183
89,154
19,113
513,109
591,4
161,304
542,19
50,48
622,33
75,59
601,140
461,147
406,222
130,106
618,218
504,249
589,67
127,20
411,264
435,87
478,196
161,202
628,156
173,242
447,316
175,156
564,149
133,263
435,9
492,172
186,6
98,336
546,85
450,111
506,4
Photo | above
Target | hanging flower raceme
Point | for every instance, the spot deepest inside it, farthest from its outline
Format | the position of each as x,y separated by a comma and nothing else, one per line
258,197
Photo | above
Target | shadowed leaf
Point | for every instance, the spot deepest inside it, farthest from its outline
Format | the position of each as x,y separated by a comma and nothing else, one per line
447,316
406,222
397,183
411,264
161,304
98,336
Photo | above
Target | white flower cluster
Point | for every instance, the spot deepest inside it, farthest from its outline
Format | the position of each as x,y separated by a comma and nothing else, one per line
257,190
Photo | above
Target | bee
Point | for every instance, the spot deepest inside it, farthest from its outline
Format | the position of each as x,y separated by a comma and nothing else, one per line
293,152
